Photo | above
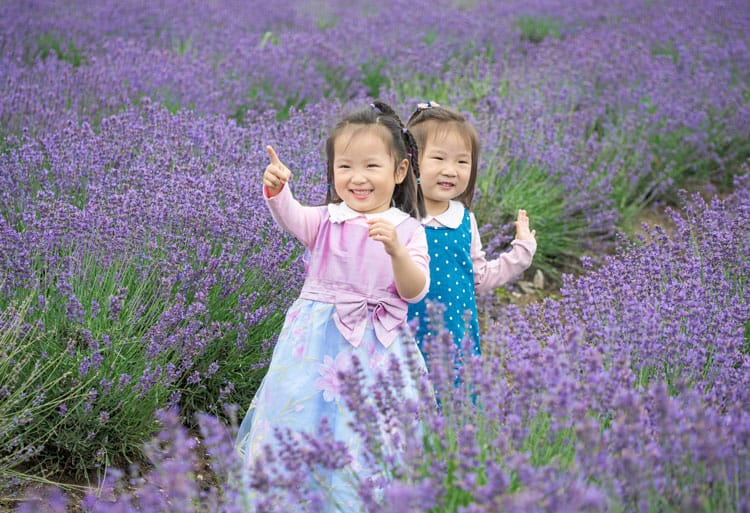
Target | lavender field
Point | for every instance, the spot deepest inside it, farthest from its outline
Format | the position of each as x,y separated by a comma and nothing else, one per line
143,280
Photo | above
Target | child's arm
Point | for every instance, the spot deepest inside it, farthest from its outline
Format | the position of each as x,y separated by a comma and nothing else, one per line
411,269
302,222
488,275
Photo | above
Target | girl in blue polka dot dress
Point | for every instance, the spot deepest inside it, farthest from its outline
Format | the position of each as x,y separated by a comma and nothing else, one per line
448,151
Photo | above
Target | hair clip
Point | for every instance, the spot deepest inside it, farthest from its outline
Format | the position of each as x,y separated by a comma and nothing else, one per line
376,108
427,105
404,130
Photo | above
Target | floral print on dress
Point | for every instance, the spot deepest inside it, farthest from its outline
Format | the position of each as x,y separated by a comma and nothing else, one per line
329,382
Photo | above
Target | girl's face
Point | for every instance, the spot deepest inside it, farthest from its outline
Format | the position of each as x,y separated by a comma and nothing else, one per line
445,168
364,175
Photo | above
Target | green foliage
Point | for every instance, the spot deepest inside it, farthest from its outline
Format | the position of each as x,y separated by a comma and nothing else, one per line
430,36
24,391
268,38
48,44
669,163
668,49
326,22
545,444
444,447
183,45
535,29
463,91
374,78
337,84
508,185
241,352
632,188
94,411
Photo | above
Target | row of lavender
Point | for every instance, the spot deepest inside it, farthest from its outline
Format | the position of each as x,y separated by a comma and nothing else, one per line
608,107
628,394
128,224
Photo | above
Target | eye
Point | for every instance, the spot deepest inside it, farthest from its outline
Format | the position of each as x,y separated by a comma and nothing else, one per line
465,162
437,158
373,165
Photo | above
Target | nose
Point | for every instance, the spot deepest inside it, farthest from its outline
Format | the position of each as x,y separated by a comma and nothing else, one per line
449,170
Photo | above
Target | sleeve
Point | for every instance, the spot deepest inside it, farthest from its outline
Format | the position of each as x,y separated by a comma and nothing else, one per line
488,275
417,248
302,222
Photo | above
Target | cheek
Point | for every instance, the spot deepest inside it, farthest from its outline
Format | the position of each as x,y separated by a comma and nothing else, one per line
338,186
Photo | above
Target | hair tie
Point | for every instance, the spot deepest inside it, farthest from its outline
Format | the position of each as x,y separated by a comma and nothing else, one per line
419,180
410,154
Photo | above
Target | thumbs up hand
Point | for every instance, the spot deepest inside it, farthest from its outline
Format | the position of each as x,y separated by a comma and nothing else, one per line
276,174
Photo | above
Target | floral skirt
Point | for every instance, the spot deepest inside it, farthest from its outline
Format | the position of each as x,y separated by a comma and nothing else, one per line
302,387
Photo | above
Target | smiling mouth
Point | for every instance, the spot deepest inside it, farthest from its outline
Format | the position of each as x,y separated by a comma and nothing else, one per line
360,193
446,185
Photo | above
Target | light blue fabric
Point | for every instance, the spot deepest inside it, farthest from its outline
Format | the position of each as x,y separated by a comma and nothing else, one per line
302,386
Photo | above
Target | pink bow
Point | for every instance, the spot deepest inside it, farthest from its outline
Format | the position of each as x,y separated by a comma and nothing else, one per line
387,316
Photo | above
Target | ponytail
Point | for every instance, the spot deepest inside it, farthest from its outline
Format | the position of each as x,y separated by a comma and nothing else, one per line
412,151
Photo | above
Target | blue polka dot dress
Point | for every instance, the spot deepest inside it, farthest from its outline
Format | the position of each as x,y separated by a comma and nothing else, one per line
452,284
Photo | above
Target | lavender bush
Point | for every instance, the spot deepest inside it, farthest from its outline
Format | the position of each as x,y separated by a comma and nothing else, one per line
142,258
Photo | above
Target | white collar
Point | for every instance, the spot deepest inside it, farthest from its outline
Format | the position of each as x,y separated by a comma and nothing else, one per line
451,218
340,212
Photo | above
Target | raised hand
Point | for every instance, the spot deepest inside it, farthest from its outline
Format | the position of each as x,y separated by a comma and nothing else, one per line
276,174
385,232
522,227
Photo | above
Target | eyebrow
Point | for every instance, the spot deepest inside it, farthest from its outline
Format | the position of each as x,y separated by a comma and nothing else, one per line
373,158
444,152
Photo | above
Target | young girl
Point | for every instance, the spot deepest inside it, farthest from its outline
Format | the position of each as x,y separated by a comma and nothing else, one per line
367,258
448,153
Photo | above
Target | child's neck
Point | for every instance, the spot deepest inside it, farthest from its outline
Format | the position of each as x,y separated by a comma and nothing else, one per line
435,208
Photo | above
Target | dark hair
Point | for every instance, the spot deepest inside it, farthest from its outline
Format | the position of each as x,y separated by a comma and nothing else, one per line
408,194
431,115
